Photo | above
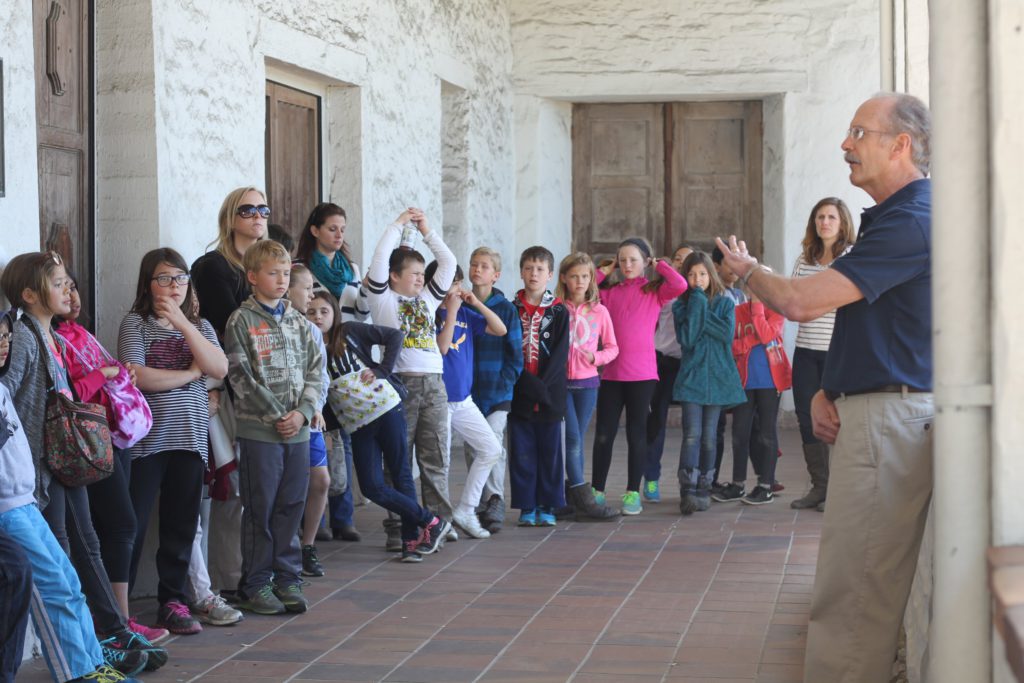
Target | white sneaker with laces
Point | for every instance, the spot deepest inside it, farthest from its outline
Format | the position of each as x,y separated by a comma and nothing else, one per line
215,611
468,522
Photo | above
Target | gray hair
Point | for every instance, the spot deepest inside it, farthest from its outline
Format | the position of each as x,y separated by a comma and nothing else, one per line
911,116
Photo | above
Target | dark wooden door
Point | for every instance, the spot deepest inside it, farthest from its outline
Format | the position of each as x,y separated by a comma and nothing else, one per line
716,173
673,173
618,175
64,115
293,155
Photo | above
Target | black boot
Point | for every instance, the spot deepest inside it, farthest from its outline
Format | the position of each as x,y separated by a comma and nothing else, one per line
587,509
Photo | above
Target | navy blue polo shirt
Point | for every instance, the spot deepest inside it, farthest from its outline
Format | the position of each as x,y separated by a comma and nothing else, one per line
886,337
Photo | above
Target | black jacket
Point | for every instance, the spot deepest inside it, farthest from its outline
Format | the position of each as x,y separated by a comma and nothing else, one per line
542,397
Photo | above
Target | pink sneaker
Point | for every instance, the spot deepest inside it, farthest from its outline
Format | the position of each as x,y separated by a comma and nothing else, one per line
153,635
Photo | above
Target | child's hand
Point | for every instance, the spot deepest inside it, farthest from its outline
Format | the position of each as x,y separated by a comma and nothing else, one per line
419,219
470,298
165,307
453,301
607,266
367,376
132,375
214,397
406,216
110,372
589,356
289,425
318,421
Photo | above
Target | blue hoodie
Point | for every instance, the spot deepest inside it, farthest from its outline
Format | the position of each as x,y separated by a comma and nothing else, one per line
498,361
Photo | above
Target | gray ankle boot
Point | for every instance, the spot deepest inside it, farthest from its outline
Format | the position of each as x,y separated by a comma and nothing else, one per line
581,497
816,457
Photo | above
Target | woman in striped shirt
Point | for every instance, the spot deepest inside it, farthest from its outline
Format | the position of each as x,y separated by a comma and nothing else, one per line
829,235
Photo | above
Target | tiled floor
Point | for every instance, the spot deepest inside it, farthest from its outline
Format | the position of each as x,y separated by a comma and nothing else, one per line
720,596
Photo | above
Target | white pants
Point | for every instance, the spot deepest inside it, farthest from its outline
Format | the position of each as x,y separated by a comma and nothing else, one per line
469,423
198,587
495,484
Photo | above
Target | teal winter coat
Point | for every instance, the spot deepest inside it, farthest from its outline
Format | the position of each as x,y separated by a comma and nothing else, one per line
707,375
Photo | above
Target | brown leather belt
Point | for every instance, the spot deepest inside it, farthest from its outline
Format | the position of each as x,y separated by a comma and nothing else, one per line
885,389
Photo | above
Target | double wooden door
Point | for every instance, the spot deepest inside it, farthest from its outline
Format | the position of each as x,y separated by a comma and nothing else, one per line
671,172
64,120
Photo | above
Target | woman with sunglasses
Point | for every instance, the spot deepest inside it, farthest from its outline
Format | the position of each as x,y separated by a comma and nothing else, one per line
220,285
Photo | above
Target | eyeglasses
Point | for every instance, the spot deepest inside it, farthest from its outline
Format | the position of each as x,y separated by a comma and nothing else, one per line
250,211
857,133
165,280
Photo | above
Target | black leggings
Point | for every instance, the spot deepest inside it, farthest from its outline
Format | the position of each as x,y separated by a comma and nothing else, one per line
808,367
178,477
113,517
611,397
762,445
68,516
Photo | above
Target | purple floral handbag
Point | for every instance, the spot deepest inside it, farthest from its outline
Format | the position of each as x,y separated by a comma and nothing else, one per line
77,441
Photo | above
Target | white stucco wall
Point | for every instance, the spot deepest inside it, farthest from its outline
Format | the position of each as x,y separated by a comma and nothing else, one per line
202,87
19,207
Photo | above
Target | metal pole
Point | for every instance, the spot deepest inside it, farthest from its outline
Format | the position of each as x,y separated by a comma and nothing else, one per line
960,644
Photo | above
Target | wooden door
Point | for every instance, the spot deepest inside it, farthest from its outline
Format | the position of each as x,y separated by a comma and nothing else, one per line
716,173
64,115
618,176
293,155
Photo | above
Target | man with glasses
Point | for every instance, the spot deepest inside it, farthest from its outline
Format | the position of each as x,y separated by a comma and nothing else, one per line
875,405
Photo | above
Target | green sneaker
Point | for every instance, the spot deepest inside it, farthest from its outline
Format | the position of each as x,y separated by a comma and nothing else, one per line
651,492
598,496
631,503
263,601
292,598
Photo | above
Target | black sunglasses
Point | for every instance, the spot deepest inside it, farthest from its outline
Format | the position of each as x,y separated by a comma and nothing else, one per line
250,211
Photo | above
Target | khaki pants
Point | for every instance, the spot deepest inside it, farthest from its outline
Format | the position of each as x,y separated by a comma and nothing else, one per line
879,489
426,415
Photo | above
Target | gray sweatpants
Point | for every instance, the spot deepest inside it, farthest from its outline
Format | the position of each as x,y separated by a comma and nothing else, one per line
273,479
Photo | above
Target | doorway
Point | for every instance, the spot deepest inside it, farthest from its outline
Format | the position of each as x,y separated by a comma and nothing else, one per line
674,173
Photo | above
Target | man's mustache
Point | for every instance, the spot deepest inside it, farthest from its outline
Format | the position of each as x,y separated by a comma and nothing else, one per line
850,159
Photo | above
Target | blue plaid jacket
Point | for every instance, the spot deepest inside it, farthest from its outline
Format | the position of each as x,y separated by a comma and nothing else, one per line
497,361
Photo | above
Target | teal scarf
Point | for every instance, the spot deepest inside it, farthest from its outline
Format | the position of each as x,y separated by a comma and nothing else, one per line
333,276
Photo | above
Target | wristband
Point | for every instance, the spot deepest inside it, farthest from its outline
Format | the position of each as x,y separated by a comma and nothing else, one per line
746,278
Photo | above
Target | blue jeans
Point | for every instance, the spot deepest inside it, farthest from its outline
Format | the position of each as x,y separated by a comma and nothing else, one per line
15,592
59,611
697,456
382,444
578,411
341,507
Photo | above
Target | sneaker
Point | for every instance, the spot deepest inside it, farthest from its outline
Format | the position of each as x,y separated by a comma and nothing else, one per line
716,487
759,496
433,535
410,554
215,611
127,662
452,536
631,503
129,640
292,598
528,518
599,496
493,514
175,617
310,562
545,517
776,487
651,492
729,493
105,674
468,522
263,601
153,635
687,504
